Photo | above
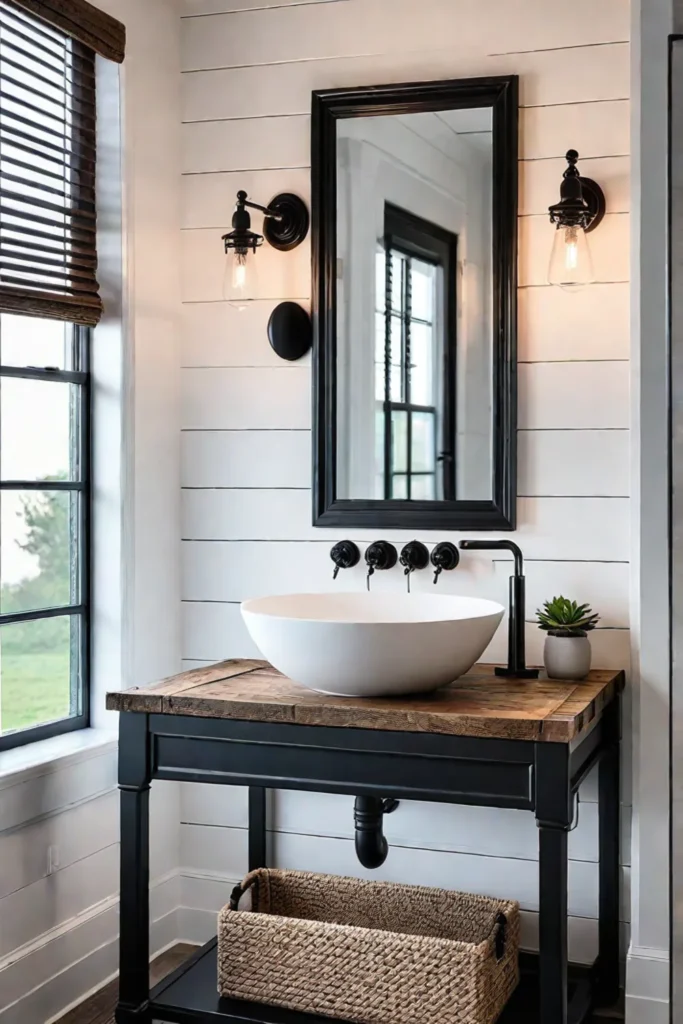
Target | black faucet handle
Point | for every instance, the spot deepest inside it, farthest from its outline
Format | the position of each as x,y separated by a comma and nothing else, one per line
444,558
381,555
345,555
414,556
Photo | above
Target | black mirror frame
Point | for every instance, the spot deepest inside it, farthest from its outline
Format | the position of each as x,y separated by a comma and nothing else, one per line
329,105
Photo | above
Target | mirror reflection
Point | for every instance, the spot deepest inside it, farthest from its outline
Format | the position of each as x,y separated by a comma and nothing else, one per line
414,306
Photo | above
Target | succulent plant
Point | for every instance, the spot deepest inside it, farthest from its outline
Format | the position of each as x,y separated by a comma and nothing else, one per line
562,617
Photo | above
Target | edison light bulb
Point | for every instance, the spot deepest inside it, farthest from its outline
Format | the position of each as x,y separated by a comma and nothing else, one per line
571,266
239,272
240,279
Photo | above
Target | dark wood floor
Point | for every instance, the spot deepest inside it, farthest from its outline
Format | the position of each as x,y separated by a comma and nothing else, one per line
99,1009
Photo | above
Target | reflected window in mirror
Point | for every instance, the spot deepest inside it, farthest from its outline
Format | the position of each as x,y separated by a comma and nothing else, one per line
415,358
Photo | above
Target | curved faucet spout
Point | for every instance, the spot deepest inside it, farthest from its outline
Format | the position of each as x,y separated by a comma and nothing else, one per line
516,665
497,545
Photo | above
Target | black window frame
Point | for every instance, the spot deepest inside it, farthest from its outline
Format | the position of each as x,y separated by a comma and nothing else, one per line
416,238
79,375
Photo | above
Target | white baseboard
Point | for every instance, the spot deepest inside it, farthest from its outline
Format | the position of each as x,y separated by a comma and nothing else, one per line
41,981
646,1011
196,926
647,986
201,897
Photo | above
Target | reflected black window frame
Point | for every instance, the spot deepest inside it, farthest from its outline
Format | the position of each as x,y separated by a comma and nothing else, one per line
80,440
416,238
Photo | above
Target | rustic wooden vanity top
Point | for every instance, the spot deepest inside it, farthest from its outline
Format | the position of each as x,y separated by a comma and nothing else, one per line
478,704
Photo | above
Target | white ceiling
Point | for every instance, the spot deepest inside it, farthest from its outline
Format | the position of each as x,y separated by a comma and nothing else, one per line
451,130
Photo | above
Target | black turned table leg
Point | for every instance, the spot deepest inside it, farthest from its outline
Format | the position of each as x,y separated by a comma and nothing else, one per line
257,827
553,817
609,835
134,780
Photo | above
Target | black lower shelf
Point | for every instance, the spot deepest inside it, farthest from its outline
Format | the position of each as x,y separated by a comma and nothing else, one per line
189,996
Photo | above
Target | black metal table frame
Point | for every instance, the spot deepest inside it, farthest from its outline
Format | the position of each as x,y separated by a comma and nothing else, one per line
540,777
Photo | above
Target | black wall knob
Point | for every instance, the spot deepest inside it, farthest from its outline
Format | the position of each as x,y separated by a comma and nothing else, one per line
414,556
345,555
444,557
381,555
289,331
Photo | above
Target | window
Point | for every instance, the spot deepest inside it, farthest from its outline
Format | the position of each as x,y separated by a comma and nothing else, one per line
44,527
49,301
415,359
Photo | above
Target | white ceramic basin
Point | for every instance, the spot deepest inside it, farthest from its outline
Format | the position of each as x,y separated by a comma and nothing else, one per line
372,645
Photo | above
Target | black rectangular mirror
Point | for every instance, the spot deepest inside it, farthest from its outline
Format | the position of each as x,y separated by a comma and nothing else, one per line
414,229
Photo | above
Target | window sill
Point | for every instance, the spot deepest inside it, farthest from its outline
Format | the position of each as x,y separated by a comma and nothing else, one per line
46,756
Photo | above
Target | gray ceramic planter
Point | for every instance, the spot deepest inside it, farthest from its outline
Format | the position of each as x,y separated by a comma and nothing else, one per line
567,657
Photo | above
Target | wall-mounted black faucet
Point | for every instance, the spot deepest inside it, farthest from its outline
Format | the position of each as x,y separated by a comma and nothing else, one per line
414,556
445,557
516,621
380,555
345,555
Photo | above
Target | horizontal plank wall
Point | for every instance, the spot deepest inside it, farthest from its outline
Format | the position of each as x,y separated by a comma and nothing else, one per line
59,828
59,874
249,68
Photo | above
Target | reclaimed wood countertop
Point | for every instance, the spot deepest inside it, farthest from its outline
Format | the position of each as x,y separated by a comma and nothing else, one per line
478,704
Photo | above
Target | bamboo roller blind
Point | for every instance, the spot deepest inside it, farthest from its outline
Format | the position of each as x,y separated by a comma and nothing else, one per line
48,255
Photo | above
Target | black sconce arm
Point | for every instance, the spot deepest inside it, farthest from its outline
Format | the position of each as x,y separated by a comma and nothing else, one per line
287,218
265,210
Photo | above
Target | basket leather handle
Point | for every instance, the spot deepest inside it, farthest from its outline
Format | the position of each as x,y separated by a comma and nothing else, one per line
501,935
246,883
235,897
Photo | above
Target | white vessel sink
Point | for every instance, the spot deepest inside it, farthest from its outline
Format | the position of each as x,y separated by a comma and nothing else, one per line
372,645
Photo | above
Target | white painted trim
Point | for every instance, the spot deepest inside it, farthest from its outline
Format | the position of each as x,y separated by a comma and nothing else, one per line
56,789
651,23
647,998
163,936
47,756
84,967
111,369
196,925
646,1011
648,973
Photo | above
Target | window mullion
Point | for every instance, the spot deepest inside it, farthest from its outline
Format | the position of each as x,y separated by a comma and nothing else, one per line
388,294
49,486
43,373
408,305
36,614
82,684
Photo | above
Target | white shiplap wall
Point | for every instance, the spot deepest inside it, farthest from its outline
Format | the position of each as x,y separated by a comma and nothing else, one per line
59,867
59,819
250,66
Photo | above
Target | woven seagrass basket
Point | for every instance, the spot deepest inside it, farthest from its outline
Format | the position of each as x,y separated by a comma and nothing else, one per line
370,952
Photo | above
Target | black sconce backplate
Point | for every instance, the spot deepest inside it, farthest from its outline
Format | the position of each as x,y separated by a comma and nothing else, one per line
290,331
582,201
289,232
594,198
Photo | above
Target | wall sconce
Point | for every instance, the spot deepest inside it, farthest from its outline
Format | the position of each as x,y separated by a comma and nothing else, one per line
580,210
285,225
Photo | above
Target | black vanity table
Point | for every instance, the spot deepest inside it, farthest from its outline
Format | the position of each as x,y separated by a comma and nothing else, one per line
485,740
